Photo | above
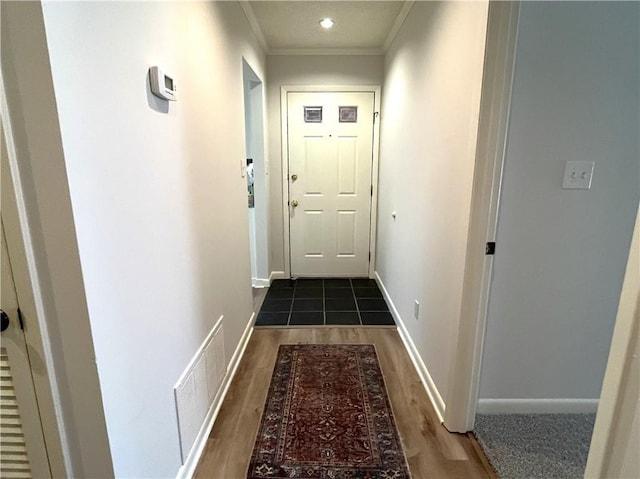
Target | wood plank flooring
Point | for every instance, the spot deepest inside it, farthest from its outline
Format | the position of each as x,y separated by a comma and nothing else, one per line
432,452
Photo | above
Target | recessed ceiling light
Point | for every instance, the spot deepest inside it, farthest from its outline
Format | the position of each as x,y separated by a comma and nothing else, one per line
326,23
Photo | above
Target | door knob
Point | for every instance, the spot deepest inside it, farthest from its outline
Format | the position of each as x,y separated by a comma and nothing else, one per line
294,177
4,320
294,203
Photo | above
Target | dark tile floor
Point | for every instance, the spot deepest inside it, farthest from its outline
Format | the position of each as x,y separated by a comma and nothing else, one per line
324,302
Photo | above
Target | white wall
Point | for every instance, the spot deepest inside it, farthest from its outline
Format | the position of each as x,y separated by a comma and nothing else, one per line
158,199
304,70
431,101
561,254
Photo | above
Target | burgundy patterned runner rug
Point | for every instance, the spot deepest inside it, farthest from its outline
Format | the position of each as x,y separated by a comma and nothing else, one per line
327,416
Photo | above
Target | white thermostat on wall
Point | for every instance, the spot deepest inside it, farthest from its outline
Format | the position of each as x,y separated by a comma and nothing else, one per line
162,85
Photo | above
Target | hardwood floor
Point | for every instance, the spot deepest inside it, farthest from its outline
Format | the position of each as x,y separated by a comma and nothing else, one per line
432,452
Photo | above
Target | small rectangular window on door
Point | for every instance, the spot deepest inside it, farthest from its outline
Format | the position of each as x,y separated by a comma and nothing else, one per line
348,114
313,114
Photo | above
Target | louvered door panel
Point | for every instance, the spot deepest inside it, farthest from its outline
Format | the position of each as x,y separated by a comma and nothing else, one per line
14,462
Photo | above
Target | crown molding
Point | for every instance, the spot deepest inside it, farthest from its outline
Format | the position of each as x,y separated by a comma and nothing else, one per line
255,26
326,51
402,16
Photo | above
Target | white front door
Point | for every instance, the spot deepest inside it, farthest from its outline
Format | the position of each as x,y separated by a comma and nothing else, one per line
330,141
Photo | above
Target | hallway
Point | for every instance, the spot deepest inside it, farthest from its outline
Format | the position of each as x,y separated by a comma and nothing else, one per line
431,451
129,235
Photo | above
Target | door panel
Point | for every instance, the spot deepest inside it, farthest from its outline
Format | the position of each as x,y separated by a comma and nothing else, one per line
22,448
330,164
312,230
23,453
315,151
347,165
347,233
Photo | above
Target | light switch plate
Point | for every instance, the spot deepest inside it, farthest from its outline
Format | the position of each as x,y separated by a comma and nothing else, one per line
578,175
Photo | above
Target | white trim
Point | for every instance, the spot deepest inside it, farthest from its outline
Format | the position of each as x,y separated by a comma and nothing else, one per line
28,289
255,25
276,275
397,24
284,132
260,283
375,168
418,363
189,467
284,90
537,406
326,51
258,138
464,376
615,411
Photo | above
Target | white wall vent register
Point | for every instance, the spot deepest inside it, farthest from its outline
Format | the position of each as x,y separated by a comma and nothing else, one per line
198,387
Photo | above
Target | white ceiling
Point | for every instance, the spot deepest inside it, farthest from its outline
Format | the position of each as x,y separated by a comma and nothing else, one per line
291,27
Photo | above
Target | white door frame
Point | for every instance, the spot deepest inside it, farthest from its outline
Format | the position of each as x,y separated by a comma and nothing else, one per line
464,379
257,137
284,90
28,293
614,423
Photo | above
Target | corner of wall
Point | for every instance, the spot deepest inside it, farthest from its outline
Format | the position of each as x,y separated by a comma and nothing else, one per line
422,370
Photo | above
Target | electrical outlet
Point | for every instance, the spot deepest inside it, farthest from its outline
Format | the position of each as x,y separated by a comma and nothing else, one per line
416,309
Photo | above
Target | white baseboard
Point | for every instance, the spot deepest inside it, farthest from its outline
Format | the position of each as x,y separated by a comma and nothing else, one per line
260,283
418,363
189,467
276,275
537,406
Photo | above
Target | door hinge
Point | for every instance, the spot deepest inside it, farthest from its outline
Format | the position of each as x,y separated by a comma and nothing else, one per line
490,249
20,319
369,255
376,114
371,190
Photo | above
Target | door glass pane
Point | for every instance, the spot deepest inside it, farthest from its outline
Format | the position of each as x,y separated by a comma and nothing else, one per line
348,114
313,114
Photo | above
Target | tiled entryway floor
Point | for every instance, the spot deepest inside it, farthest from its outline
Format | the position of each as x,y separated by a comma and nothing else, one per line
328,302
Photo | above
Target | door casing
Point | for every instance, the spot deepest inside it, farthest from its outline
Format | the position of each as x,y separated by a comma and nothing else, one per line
284,90
464,377
27,292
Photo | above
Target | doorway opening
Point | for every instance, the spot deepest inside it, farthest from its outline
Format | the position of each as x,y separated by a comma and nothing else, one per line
257,206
